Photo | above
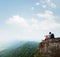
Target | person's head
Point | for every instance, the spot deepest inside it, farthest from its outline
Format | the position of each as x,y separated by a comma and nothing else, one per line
49,32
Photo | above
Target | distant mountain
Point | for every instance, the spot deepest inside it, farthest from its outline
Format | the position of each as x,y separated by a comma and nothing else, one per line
28,49
12,44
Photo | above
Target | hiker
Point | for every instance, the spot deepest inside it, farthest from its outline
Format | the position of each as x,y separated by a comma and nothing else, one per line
51,35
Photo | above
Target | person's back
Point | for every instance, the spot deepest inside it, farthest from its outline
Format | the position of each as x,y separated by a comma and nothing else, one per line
51,35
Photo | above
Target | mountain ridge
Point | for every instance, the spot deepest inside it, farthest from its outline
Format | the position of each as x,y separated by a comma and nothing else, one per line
27,49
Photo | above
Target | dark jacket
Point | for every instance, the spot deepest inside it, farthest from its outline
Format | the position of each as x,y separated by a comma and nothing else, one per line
52,36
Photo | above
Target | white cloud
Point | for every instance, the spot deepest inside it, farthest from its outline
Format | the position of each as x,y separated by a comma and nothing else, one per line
33,28
17,20
37,3
31,32
49,20
48,3
53,5
49,24
46,15
35,24
44,6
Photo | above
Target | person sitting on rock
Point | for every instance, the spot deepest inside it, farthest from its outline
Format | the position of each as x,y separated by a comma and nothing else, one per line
51,35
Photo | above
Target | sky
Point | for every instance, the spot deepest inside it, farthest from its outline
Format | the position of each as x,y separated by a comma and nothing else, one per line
28,20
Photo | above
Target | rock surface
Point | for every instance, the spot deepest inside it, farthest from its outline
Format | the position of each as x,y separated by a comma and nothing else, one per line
50,47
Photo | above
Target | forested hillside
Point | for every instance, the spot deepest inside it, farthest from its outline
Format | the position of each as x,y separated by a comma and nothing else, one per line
29,49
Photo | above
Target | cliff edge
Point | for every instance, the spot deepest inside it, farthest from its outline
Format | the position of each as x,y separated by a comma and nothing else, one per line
50,47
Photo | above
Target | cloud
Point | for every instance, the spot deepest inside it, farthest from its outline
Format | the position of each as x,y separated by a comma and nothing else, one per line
49,20
37,3
33,28
46,4
49,24
17,20
53,5
30,32
46,15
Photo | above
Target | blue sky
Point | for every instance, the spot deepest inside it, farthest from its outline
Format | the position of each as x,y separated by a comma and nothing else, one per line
28,20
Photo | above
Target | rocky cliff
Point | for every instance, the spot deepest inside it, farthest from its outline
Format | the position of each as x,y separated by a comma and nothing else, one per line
50,47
